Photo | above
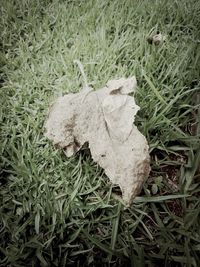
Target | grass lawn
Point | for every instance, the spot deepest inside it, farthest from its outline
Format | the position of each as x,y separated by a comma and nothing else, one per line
56,211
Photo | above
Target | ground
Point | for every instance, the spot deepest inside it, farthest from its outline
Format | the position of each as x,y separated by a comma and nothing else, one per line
64,212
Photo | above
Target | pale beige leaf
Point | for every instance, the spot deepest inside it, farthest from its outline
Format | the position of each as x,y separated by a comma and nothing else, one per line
104,118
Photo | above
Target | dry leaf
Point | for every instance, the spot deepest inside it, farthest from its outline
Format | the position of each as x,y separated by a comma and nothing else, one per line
104,118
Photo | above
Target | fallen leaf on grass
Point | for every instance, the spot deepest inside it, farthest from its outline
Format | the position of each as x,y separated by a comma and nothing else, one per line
103,118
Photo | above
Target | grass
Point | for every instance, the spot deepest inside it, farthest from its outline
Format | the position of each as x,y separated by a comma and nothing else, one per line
63,212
